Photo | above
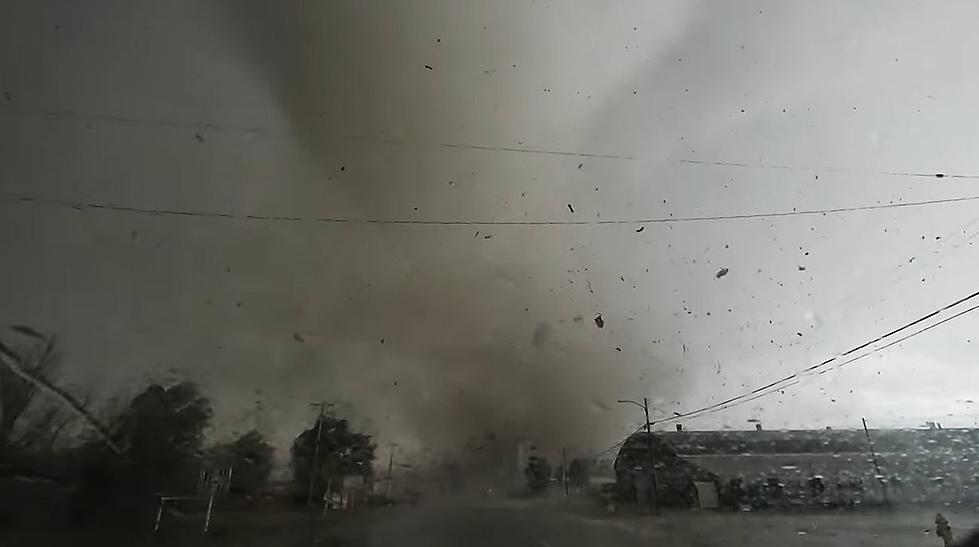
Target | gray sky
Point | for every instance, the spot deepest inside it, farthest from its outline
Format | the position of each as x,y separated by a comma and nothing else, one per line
431,334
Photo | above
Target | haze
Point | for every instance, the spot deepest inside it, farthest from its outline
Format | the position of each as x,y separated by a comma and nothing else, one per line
510,130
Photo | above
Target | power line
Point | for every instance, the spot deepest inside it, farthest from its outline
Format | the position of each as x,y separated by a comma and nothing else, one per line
617,444
779,384
782,387
59,114
899,340
937,175
104,206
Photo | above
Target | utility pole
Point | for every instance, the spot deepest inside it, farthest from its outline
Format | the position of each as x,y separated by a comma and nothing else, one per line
314,468
649,445
564,472
873,458
391,469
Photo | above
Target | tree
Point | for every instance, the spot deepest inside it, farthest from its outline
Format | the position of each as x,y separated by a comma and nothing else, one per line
579,472
342,453
162,433
250,458
538,473
159,436
157,439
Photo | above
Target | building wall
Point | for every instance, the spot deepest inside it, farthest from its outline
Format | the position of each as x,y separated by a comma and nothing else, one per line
915,465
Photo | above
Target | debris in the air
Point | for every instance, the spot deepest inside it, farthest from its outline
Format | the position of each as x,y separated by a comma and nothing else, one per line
476,234
487,236
798,334
802,268
298,337
570,208
641,228
429,67
599,321
580,165
721,273
198,137
939,175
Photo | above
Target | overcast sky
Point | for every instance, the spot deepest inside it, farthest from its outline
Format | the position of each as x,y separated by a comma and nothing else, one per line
573,112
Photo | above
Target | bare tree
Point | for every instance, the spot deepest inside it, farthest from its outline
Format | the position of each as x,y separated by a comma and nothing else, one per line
26,373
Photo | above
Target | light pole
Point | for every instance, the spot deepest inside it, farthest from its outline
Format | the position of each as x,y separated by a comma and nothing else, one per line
649,444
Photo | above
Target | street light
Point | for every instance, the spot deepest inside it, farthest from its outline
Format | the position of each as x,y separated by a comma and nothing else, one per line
649,443
644,406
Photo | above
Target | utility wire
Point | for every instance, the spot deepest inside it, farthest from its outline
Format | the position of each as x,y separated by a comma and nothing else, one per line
60,114
938,175
105,206
824,371
779,384
617,444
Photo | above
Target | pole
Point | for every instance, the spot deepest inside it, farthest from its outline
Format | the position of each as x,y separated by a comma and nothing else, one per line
328,498
654,490
564,473
391,469
652,463
314,468
210,505
159,516
873,458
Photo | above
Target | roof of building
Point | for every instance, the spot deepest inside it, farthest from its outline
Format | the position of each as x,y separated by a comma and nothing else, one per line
824,441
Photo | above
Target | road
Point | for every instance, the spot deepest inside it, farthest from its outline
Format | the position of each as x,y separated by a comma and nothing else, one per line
515,523
483,525
505,523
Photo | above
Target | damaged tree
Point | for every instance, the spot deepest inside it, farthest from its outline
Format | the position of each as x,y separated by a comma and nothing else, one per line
25,374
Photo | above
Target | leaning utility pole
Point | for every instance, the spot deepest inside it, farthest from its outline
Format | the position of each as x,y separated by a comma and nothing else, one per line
873,458
649,446
314,468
